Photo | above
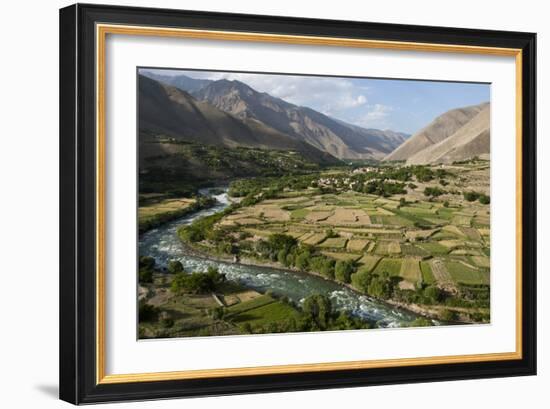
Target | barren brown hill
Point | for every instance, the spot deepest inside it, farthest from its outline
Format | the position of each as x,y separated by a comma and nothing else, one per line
472,139
438,130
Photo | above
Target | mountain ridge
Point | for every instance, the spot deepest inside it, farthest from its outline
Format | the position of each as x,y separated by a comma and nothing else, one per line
336,137
455,135
171,112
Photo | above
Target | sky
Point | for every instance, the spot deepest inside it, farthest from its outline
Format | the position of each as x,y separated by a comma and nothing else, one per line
400,105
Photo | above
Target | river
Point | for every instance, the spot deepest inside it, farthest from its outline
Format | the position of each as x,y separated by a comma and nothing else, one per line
164,245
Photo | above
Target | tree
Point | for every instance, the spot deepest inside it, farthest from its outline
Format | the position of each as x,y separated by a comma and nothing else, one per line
432,293
279,241
146,262
449,315
145,276
319,309
362,279
147,312
381,286
343,270
484,199
302,260
433,192
282,257
146,269
175,266
471,196
197,283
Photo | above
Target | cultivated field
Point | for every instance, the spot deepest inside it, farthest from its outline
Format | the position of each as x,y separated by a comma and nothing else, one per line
442,241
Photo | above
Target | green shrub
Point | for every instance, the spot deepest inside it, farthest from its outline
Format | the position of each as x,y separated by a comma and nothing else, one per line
147,312
175,266
343,270
471,196
484,199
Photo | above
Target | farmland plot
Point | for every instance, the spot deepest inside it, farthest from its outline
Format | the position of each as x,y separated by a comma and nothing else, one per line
346,216
368,262
462,273
392,266
410,271
441,275
334,242
357,244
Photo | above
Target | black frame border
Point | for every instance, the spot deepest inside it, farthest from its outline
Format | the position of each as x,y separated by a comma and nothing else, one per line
78,197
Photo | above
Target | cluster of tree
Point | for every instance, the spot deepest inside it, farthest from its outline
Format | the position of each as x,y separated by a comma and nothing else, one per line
403,174
147,312
286,250
201,228
423,294
246,187
320,315
422,173
265,162
433,191
383,188
146,267
472,196
197,282
316,314
376,285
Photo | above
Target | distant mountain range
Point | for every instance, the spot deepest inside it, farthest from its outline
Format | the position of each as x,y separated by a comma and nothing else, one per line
456,135
233,113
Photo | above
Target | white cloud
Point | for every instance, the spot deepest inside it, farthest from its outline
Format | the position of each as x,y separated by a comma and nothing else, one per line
340,98
375,116
329,95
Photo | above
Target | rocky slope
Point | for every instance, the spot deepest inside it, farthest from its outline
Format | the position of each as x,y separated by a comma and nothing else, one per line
456,135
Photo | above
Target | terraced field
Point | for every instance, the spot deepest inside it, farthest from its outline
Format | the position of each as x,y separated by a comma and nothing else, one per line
443,241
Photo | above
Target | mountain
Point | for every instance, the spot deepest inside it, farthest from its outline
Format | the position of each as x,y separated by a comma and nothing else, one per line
439,129
338,138
172,112
472,139
180,81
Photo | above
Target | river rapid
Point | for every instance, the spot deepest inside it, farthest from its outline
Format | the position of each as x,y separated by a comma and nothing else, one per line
164,245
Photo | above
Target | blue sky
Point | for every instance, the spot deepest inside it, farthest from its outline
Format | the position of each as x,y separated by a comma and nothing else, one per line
400,105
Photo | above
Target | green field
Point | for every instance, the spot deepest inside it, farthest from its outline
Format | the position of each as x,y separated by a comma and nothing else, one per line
434,248
410,270
464,274
427,274
389,265
368,263
265,314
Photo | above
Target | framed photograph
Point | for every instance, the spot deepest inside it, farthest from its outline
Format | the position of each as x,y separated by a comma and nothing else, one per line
258,203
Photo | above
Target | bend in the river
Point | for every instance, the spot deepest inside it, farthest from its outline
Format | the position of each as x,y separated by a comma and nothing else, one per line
164,245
